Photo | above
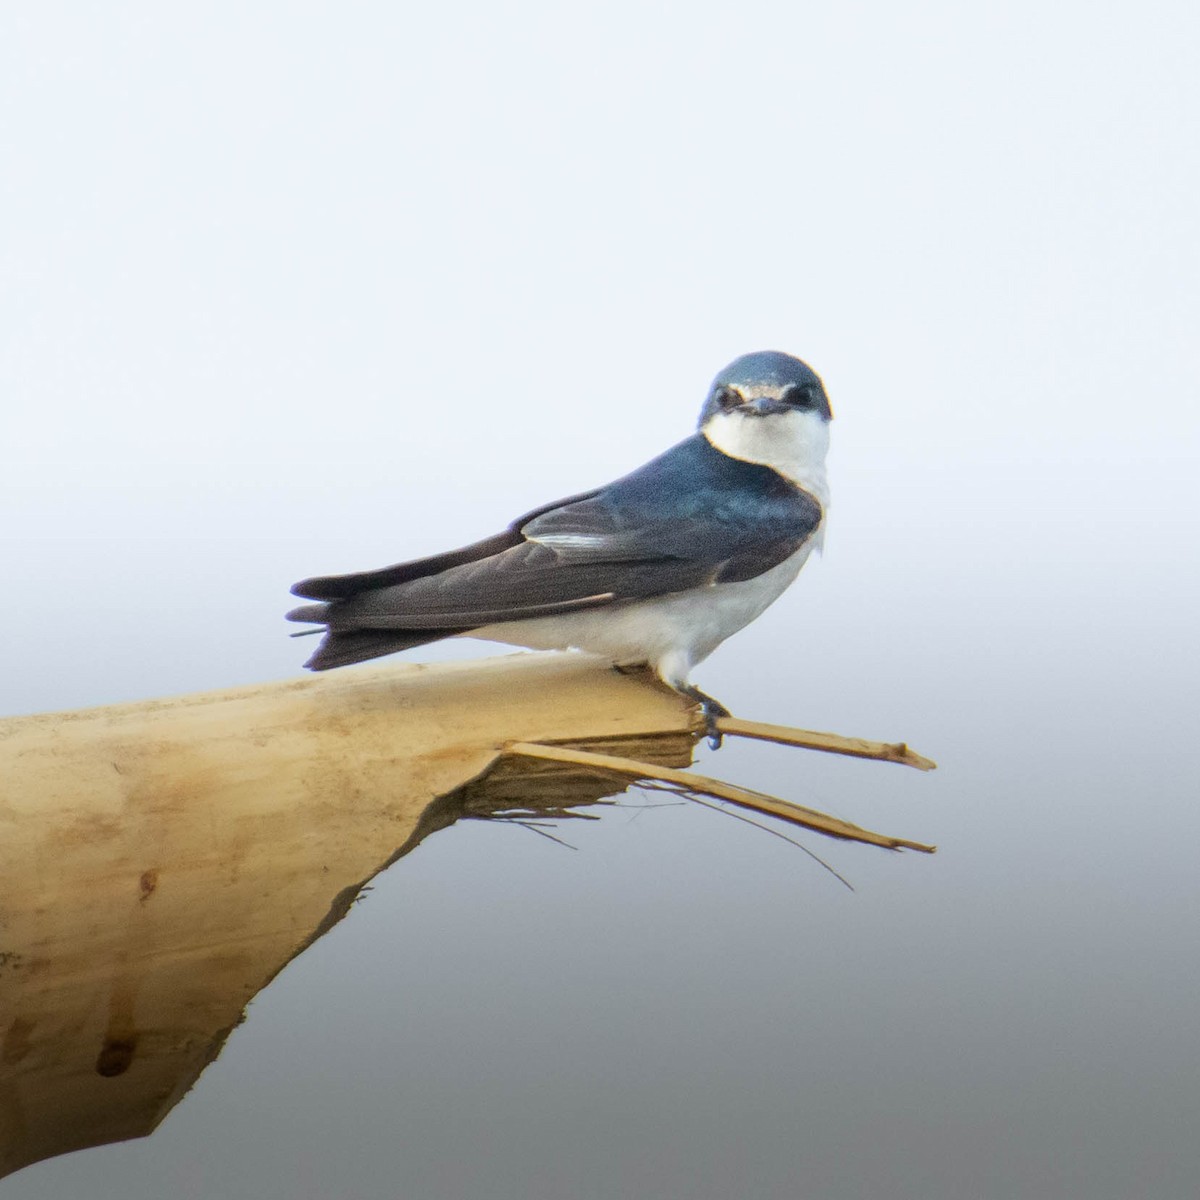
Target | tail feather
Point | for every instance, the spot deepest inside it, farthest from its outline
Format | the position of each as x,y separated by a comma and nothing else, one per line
341,649
316,613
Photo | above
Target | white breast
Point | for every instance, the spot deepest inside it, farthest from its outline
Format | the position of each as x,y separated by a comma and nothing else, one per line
793,443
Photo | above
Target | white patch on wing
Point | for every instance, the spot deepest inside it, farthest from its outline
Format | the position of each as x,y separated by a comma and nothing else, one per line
792,443
569,541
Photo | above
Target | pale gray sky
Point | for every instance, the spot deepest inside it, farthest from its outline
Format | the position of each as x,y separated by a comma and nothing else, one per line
300,288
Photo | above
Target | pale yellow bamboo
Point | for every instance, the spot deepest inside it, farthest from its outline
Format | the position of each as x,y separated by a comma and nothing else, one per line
161,862
705,785
831,743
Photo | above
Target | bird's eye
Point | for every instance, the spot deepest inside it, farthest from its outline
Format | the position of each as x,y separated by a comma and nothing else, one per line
727,398
800,397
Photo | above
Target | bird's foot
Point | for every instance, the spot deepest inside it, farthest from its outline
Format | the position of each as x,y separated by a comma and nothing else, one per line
712,709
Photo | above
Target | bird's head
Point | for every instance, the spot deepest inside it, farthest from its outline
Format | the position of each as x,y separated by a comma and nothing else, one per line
766,384
770,408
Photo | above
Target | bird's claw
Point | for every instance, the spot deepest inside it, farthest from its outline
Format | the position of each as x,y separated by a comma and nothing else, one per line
715,738
713,712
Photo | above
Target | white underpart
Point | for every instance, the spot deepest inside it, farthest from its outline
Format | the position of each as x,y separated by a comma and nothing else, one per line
673,633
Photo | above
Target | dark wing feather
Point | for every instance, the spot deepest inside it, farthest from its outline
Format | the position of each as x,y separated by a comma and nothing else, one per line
337,587
527,581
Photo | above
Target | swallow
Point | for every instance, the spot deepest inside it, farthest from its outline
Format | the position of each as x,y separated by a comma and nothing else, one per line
657,568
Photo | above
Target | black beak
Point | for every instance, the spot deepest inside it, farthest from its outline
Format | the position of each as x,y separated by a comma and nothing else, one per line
763,406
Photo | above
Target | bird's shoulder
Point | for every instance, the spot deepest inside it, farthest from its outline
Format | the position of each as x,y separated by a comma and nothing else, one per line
691,492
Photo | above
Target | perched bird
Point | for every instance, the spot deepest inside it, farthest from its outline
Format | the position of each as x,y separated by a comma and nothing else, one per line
657,568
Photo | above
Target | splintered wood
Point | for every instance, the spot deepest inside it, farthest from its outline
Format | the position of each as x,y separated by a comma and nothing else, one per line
685,783
161,862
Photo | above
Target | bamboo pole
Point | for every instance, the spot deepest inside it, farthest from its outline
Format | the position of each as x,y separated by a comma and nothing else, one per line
161,862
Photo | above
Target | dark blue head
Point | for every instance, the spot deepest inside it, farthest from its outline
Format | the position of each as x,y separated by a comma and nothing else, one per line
766,382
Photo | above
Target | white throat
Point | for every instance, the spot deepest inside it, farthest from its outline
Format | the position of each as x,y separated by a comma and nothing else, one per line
792,443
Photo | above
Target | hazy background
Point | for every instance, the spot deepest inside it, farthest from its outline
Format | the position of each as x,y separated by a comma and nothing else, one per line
299,288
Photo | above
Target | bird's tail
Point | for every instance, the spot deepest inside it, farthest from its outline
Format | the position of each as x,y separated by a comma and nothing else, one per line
340,648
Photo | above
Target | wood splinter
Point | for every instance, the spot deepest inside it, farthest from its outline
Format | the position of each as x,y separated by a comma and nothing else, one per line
704,785
830,743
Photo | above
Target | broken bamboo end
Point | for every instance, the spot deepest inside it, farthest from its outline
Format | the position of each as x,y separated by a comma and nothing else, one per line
685,782
829,743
